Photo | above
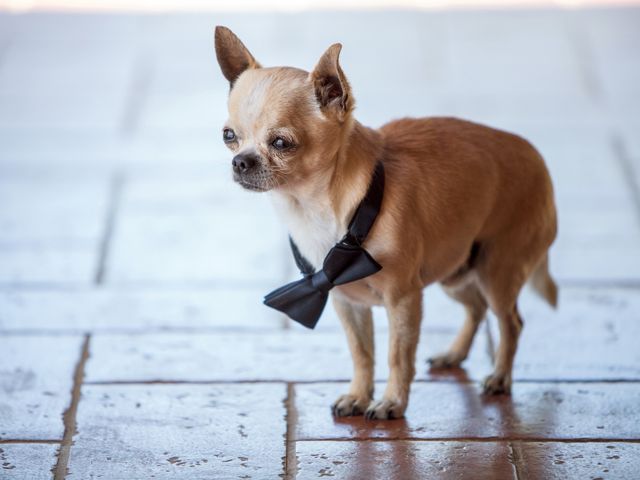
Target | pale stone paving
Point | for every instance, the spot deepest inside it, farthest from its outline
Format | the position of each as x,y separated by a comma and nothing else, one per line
122,232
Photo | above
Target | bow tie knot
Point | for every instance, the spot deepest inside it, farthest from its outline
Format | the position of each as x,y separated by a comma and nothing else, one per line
321,282
347,261
305,299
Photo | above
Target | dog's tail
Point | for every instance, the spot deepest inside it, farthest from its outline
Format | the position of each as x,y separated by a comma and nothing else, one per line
543,284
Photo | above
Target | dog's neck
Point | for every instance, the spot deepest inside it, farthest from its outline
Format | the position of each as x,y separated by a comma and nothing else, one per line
318,211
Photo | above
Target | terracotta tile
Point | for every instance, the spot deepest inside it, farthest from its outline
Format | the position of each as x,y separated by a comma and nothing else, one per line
180,431
593,335
402,460
553,460
27,461
451,410
36,377
285,355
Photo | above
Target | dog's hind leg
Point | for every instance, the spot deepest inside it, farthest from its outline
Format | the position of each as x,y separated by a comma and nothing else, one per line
500,280
510,325
358,325
475,305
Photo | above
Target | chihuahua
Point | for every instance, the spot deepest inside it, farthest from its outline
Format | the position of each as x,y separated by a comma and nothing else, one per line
464,205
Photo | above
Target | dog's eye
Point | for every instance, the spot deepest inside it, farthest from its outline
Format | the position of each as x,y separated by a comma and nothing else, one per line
280,143
228,135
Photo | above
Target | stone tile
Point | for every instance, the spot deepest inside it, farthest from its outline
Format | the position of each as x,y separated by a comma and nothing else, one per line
69,77
556,461
216,240
64,265
617,262
71,111
283,356
27,461
59,153
187,42
169,189
500,68
45,212
51,39
159,146
148,310
457,410
403,460
178,431
591,336
440,314
502,109
36,377
598,235
183,110
628,131
582,163
103,310
610,37
482,61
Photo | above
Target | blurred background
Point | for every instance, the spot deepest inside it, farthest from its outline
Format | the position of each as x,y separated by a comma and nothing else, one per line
127,254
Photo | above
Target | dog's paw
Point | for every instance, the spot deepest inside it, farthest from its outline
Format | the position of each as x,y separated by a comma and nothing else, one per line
446,360
349,405
496,384
385,409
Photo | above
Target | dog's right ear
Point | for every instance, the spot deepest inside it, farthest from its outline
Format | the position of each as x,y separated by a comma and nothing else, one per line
233,56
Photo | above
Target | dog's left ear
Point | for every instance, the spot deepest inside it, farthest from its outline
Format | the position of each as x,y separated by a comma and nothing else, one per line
331,86
233,57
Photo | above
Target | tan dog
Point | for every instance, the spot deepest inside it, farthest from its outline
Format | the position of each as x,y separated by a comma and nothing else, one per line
465,205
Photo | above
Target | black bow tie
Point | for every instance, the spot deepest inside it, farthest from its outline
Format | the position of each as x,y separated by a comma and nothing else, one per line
304,300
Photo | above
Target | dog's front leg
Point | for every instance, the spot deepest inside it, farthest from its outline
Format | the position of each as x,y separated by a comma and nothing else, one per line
405,314
358,325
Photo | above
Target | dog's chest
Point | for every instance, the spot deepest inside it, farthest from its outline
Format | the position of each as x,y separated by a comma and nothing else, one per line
314,230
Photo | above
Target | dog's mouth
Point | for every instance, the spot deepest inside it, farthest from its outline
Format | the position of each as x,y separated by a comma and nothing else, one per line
253,185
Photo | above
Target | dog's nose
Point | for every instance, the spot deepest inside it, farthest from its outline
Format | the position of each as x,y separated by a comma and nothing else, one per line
243,162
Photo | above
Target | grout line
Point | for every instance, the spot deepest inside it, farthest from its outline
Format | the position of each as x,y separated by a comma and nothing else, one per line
473,439
147,285
630,284
291,459
4,441
517,458
140,331
628,170
346,380
117,181
137,95
249,284
69,416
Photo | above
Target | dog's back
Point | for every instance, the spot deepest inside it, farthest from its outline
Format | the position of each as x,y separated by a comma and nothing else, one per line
490,184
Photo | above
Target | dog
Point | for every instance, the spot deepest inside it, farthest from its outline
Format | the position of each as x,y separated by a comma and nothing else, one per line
465,205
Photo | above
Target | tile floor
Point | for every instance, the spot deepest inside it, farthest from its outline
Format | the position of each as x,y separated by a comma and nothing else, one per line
133,342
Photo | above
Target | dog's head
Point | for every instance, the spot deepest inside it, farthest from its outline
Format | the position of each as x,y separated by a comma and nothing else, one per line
285,125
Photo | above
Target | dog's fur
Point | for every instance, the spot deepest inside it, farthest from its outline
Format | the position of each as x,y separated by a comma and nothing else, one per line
465,205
